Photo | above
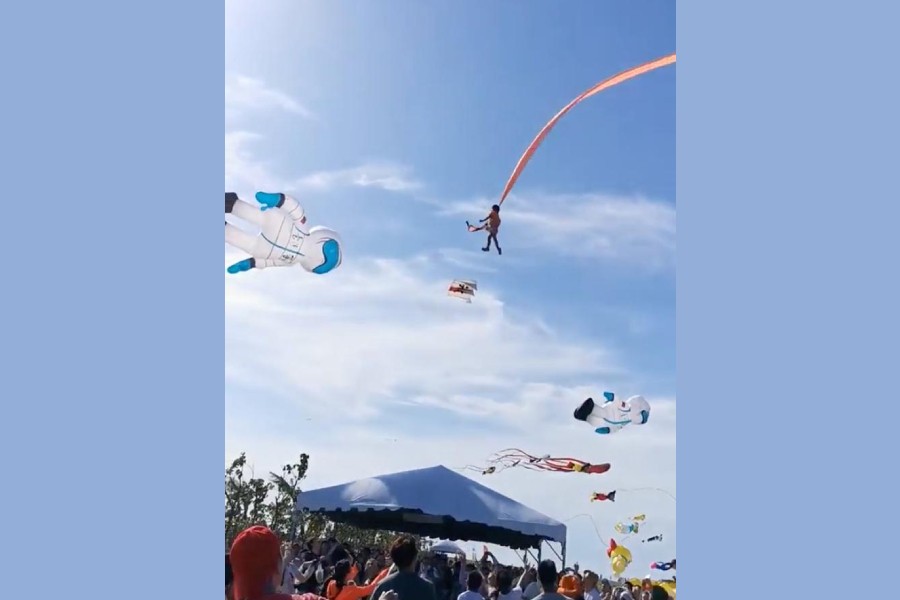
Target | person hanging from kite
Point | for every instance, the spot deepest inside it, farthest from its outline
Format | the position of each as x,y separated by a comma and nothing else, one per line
597,496
492,225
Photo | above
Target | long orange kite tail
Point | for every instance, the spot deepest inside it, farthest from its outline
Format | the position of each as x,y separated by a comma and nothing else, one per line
603,85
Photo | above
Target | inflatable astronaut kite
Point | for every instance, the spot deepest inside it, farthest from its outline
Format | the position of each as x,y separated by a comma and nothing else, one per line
284,239
613,415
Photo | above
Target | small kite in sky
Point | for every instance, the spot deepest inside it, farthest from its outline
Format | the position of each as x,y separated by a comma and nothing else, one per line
462,289
597,496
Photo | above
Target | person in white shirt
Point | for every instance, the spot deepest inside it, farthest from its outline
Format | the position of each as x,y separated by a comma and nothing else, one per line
590,586
505,589
289,570
473,585
532,590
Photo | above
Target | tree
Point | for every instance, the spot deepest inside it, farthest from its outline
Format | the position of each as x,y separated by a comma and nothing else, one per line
255,501
287,486
245,499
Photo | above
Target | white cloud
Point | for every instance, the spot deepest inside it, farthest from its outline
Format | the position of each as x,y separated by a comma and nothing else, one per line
382,175
245,94
246,172
376,351
630,231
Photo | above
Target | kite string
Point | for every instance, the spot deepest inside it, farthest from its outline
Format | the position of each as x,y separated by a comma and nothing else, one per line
648,489
594,523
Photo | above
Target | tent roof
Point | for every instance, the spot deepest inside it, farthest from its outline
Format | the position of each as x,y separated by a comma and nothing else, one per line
434,502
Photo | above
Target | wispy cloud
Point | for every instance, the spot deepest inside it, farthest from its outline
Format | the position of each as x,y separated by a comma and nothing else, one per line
382,175
626,230
377,314
245,94
246,171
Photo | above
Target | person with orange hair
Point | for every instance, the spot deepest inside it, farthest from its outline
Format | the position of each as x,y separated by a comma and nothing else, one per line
255,559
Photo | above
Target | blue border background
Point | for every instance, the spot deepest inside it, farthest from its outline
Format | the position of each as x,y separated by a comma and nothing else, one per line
112,303
112,298
787,299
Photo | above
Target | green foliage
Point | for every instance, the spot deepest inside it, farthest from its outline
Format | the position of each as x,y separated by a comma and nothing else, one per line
255,501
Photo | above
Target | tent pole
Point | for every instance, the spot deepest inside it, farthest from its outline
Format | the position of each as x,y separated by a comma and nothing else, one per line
562,556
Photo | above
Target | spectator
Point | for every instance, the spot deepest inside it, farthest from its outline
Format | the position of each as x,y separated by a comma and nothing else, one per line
405,582
606,591
256,566
547,576
533,589
473,587
570,587
646,586
290,572
370,572
658,593
342,586
505,589
590,586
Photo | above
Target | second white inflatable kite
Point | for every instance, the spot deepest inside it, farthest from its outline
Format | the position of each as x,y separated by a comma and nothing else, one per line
613,415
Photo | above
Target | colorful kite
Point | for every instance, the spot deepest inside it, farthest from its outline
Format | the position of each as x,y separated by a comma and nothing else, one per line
663,566
603,85
510,458
462,289
626,528
612,415
611,496
619,557
283,240
513,457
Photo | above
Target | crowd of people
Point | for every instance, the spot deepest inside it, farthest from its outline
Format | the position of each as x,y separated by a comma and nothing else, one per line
260,567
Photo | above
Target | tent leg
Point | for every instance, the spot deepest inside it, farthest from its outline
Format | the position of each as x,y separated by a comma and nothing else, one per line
564,555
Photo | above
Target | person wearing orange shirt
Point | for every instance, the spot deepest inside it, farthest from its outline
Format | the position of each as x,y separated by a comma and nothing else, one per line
341,587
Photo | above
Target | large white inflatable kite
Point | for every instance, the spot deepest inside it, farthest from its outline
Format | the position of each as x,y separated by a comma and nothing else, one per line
612,415
284,239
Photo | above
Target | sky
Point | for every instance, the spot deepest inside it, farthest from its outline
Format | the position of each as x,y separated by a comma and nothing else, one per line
393,123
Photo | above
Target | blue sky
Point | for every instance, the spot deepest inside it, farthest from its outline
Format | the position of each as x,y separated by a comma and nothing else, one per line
393,123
